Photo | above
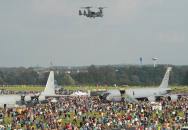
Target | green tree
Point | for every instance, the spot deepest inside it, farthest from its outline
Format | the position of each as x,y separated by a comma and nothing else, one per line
67,80
185,81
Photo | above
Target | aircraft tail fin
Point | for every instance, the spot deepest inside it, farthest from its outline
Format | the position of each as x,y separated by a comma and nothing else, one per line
164,83
50,86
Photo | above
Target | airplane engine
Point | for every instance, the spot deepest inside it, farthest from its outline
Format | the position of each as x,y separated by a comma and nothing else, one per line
24,99
151,99
173,97
41,98
27,98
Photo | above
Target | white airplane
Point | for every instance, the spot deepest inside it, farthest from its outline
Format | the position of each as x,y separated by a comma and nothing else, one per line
134,94
12,100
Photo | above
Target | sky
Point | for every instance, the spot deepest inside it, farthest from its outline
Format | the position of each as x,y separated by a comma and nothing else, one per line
40,32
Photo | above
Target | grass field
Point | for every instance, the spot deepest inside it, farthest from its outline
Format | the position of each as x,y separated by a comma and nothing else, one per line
23,88
175,89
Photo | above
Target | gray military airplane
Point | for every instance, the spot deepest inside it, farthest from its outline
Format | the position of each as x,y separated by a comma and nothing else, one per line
91,14
17,99
135,94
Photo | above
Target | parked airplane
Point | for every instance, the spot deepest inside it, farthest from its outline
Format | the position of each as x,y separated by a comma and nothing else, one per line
135,94
12,100
49,92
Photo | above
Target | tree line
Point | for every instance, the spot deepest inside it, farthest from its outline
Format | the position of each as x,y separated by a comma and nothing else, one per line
144,75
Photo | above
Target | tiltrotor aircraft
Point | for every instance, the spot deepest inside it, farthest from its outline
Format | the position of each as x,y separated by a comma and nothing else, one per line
91,14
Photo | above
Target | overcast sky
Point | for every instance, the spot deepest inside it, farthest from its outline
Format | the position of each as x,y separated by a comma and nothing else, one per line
37,32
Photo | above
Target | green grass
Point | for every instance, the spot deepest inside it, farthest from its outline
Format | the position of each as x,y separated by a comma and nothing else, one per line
179,89
175,89
91,88
23,88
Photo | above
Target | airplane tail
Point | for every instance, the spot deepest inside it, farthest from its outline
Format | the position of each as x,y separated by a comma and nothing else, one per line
164,83
50,86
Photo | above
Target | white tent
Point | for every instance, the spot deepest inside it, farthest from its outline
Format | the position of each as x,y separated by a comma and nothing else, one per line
54,100
79,93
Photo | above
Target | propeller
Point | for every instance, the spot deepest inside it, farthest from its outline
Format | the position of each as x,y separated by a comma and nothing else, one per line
101,8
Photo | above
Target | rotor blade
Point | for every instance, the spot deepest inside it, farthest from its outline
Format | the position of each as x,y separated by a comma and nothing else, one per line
101,7
87,7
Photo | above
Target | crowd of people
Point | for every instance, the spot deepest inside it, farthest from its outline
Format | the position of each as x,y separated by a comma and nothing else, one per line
90,113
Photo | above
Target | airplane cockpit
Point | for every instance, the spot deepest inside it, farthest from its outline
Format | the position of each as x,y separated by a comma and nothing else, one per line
115,95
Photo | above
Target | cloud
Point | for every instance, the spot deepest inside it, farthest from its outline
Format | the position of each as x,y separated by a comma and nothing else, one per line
122,11
51,7
172,37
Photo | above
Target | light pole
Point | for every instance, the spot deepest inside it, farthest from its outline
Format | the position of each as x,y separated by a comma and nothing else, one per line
140,60
154,61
